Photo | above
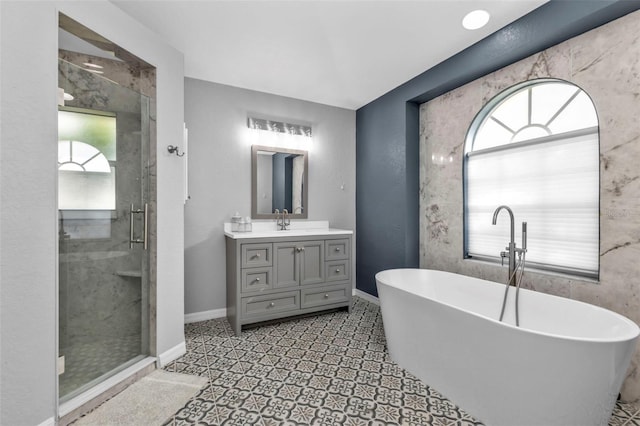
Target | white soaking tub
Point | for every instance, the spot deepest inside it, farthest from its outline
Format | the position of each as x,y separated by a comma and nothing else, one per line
564,365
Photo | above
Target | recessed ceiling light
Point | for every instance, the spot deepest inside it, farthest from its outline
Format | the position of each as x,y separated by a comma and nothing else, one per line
90,65
475,19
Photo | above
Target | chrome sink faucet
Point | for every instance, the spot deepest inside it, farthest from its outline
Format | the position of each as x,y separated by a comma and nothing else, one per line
282,221
511,249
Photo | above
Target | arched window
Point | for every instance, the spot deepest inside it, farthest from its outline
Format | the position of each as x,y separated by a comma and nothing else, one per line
81,157
86,160
535,148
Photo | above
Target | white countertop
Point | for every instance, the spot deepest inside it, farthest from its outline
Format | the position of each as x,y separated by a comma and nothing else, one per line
268,229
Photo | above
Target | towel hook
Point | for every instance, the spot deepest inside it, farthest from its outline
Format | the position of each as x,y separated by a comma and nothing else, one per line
174,150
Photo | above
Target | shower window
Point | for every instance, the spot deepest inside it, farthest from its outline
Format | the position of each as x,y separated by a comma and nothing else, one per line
535,148
86,154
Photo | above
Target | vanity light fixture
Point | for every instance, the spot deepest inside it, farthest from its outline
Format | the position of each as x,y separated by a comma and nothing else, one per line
279,127
279,134
475,19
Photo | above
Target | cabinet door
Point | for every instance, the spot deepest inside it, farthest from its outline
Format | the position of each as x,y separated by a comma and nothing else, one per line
312,262
285,267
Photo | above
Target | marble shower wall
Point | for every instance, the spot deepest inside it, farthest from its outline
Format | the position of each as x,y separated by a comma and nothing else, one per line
101,295
604,62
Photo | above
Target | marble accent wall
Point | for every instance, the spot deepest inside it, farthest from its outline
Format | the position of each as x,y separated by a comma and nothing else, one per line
604,62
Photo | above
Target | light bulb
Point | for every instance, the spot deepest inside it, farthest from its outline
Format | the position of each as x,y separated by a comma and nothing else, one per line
475,19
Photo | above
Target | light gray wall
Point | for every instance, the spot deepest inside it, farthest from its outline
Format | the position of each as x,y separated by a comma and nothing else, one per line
28,171
220,174
28,213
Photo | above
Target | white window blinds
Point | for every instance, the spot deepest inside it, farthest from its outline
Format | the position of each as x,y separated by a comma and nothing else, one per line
550,182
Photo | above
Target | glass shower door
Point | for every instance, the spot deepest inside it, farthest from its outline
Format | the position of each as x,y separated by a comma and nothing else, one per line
103,193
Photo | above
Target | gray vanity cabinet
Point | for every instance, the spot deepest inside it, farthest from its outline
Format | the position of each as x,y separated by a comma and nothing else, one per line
272,278
298,263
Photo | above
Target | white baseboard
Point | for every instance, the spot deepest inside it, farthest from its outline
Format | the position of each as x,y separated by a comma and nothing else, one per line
205,315
366,296
51,421
172,354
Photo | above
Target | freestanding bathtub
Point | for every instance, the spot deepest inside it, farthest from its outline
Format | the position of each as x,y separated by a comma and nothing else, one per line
564,365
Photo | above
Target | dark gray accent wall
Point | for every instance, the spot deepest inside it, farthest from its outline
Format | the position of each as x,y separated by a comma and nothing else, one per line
387,129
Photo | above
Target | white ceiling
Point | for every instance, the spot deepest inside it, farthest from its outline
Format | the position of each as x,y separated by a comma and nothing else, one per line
344,53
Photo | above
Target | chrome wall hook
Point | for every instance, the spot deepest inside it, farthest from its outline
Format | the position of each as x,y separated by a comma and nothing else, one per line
174,150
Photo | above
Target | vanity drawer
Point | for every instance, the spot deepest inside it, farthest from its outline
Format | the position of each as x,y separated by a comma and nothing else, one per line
327,295
256,255
265,306
337,249
256,279
338,270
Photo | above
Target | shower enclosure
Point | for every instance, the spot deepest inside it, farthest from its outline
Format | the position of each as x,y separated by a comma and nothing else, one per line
104,211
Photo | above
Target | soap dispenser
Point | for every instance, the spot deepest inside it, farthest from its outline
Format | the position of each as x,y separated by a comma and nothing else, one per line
235,222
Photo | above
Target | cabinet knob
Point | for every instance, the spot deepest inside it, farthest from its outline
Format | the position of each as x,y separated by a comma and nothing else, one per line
337,248
258,279
337,270
326,296
272,304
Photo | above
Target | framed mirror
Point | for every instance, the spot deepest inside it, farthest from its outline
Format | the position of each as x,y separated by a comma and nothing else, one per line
279,180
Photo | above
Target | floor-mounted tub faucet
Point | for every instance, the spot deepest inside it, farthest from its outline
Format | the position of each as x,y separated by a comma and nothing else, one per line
511,248
511,254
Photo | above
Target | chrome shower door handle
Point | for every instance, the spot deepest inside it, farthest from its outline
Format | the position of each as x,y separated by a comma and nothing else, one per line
145,232
131,240
146,226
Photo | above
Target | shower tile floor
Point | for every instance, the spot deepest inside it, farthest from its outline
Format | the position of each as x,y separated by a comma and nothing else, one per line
331,369
86,361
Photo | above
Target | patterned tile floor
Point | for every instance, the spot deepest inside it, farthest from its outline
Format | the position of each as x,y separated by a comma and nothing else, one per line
332,369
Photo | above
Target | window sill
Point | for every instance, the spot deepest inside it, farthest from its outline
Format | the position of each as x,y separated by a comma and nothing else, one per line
88,214
539,271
